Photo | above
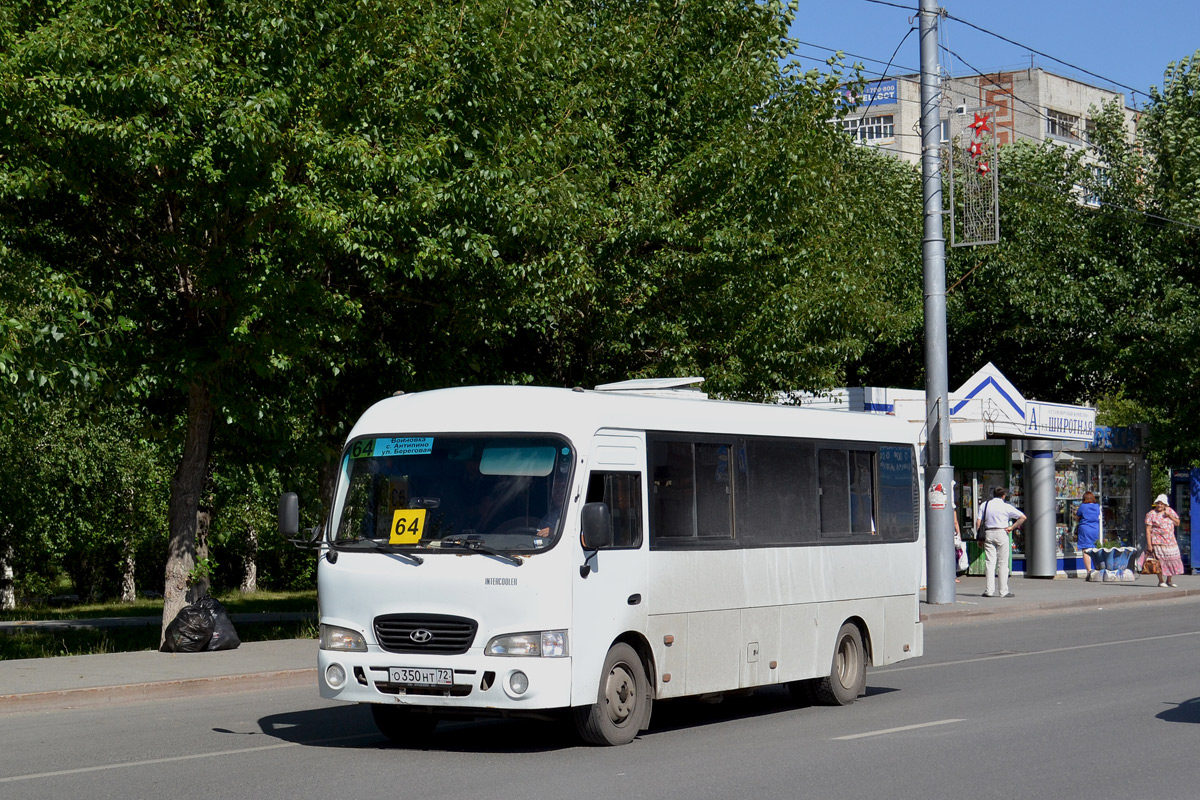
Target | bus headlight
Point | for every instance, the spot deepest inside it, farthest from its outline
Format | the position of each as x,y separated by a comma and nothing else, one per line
335,638
548,644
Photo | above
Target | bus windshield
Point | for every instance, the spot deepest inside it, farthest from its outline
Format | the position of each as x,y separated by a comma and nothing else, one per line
432,492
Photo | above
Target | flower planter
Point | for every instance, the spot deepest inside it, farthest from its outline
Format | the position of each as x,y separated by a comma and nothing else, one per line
1111,558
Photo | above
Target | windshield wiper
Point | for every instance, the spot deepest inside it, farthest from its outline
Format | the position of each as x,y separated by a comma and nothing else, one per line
382,547
480,547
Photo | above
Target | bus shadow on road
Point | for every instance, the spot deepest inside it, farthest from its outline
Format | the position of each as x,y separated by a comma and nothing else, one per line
690,712
337,726
351,726
1187,711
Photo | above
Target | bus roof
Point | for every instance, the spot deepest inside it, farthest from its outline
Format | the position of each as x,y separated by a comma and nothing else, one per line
579,413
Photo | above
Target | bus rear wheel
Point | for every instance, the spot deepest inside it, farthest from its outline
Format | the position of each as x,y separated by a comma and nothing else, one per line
403,725
623,704
848,672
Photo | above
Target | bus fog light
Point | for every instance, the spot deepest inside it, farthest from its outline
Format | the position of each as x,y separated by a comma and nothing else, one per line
518,682
335,676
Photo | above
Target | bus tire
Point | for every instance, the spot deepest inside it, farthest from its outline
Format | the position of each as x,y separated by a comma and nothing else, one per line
403,725
848,672
623,702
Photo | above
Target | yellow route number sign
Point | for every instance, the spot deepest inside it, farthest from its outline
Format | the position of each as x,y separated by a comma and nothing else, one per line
407,526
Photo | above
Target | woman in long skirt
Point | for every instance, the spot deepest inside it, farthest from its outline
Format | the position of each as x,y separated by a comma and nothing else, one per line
1160,540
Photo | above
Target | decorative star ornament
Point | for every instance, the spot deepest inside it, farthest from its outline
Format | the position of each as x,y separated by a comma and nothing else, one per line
980,125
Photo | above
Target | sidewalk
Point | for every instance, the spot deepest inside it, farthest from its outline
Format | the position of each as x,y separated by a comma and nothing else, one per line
1034,595
46,684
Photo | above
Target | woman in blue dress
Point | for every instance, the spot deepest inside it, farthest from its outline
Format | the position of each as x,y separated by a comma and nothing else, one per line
1087,534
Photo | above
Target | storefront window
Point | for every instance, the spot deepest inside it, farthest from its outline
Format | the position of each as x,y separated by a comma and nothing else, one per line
1068,492
1111,484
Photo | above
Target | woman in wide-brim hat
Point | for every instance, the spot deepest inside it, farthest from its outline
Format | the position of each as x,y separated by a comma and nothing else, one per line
1160,540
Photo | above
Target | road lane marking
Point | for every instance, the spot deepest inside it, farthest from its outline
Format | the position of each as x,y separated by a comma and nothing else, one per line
996,656
189,757
897,730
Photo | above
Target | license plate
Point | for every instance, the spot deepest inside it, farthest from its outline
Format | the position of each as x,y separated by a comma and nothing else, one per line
413,676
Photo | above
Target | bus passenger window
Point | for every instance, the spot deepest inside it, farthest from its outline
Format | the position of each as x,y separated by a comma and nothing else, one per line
899,494
862,494
674,511
622,493
714,493
834,473
847,494
778,503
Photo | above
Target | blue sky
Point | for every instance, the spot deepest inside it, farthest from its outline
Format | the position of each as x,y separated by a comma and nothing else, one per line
1128,43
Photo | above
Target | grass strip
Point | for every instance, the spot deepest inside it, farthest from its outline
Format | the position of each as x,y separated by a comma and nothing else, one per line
235,603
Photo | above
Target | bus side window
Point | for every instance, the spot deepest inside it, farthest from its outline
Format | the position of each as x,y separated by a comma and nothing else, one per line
622,493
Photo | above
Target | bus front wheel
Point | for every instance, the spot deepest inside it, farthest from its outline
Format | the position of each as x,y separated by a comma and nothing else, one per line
623,704
848,672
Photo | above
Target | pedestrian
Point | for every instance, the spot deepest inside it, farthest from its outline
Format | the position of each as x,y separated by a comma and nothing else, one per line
1160,541
998,518
1087,532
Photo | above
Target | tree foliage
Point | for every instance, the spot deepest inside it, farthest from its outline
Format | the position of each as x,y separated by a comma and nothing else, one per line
300,208
81,496
249,220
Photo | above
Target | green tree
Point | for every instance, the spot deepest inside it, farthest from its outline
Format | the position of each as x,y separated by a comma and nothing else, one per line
1166,369
1056,304
1170,130
305,208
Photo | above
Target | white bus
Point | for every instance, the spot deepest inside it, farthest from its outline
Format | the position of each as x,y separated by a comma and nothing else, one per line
522,550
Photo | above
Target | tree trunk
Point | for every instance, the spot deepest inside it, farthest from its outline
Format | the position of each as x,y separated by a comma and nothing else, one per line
186,487
203,581
128,553
250,561
128,565
8,593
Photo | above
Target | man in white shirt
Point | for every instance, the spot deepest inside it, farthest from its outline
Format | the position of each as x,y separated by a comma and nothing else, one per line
998,519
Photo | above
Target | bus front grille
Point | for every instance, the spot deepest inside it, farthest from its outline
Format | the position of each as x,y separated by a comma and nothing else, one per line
431,634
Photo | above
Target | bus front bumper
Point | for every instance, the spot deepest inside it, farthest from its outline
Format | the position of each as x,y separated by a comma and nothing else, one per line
477,682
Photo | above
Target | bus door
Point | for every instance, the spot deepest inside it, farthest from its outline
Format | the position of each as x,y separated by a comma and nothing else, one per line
609,595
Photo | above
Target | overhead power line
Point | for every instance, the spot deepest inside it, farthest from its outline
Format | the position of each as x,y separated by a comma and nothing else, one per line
854,55
1042,54
893,5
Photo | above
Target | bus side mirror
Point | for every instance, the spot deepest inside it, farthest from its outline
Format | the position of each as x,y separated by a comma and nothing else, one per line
289,515
596,525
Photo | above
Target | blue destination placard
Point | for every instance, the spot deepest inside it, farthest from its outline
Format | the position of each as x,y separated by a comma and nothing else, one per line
404,446
392,446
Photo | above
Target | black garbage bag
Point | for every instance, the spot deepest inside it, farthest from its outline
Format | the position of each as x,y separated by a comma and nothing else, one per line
190,631
224,637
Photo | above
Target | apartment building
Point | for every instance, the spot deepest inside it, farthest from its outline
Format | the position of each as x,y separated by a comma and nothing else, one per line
1030,104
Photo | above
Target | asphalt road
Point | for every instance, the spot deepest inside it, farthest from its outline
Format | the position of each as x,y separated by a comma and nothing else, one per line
1079,704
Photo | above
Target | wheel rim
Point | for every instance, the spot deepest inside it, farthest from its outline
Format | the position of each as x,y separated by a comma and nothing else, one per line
847,663
620,694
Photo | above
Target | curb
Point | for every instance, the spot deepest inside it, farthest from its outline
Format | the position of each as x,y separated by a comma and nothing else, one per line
91,697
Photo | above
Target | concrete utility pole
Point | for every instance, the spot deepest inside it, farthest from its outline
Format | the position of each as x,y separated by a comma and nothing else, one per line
939,527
